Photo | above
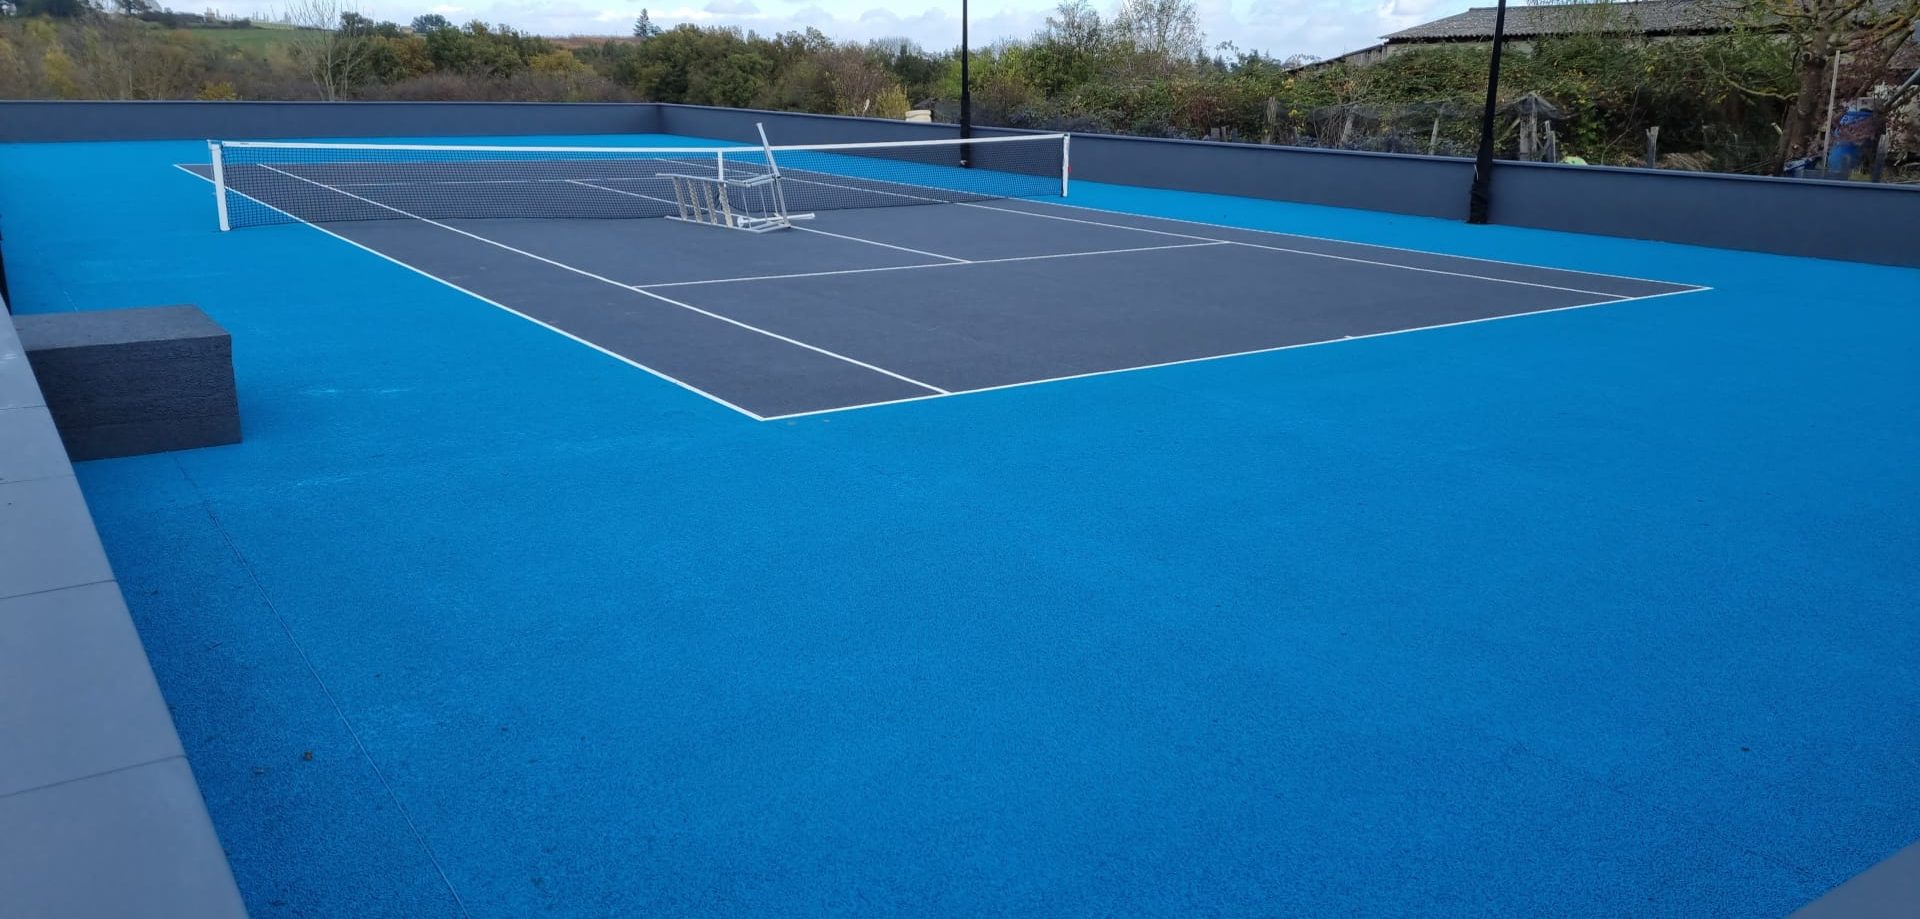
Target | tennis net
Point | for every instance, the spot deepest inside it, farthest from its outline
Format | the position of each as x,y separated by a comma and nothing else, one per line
259,183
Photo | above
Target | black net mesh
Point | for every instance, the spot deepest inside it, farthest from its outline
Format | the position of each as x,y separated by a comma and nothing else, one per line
269,183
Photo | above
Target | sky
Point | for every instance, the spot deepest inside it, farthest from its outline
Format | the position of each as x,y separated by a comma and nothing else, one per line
1322,28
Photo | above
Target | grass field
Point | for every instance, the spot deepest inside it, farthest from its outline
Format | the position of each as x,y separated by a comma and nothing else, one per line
260,38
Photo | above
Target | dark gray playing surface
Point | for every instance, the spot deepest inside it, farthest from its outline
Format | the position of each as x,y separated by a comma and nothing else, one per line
862,306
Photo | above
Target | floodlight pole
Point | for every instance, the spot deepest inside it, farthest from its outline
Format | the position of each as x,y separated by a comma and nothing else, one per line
1482,194
966,88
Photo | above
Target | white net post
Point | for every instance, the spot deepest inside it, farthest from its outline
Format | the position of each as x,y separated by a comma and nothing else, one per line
1066,141
219,184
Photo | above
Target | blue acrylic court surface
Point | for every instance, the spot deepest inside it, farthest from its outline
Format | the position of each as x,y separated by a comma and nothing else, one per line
1157,555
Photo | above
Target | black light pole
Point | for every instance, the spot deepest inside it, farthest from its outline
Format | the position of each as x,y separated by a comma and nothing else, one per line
1482,193
966,90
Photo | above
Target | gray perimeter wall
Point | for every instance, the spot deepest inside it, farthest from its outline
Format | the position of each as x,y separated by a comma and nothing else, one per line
1841,220
792,127
99,812
1854,221
1429,186
63,121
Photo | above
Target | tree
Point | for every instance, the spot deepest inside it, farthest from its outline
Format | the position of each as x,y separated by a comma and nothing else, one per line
482,50
59,70
702,67
643,27
917,70
558,62
12,79
1867,32
430,22
1067,52
1166,31
56,9
734,81
891,103
1075,26
396,59
326,48
858,81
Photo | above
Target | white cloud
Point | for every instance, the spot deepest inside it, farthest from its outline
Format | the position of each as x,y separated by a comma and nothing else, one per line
731,7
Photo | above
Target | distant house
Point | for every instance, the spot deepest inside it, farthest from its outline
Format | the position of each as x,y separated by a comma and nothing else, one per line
1645,18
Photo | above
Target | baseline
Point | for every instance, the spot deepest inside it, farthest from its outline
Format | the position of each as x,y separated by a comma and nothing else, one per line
972,328
1214,357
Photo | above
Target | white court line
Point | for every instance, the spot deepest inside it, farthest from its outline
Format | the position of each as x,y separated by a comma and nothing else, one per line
1120,226
606,280
1223,226
875,191
741,148
984,261
1308,252
1327,255
1137,229
870,242
1203,241
588,183
1350,242
423,183
689,387
1305,252
1220,357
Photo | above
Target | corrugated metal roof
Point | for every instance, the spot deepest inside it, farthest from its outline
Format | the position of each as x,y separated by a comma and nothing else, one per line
1650,17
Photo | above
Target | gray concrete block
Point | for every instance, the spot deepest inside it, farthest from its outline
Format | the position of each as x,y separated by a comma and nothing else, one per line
125,382
47,540
136,842
104,441
97,328
76,695
30,446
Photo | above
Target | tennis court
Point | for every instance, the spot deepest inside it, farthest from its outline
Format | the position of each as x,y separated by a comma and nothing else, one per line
917,278
1136,552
